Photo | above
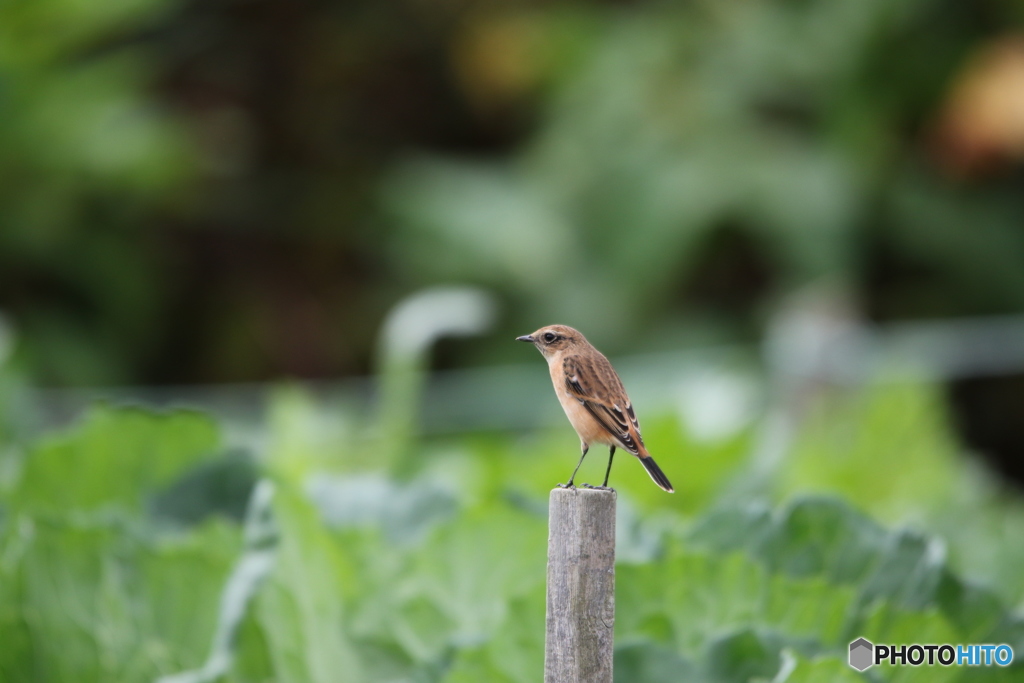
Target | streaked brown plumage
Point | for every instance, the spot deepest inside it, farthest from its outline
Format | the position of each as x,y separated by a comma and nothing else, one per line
593,398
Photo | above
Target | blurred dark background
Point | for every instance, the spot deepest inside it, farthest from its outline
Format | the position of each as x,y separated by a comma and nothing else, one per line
239,190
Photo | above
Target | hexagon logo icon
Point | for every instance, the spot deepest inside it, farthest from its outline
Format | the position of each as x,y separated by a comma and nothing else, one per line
861,651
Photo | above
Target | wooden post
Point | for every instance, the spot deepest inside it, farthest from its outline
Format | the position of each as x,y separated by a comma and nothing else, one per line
581,586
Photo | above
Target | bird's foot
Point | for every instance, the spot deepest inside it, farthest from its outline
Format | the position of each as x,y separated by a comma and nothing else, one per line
598,488
570,485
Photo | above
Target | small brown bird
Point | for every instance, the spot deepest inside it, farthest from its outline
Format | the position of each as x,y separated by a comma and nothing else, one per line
593,398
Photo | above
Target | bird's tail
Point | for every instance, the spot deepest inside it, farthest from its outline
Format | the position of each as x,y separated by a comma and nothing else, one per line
656,474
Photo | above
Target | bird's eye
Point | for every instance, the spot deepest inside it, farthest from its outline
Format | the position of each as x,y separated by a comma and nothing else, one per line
549,337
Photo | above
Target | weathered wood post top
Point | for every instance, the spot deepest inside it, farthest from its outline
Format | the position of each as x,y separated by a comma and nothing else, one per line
581,586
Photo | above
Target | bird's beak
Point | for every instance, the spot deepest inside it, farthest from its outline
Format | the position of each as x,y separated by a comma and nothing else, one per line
525,338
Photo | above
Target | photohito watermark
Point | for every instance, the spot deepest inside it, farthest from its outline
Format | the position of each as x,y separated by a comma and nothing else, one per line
864,654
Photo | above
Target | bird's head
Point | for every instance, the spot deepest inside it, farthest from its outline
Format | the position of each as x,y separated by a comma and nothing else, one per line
553,339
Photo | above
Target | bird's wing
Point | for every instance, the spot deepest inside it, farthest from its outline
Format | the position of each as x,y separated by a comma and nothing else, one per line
595,385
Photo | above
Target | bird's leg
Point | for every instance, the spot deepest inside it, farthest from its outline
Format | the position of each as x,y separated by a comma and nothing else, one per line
570,484
604,486
611,454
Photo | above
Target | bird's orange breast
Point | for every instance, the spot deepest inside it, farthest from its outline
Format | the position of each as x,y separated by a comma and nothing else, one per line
589,429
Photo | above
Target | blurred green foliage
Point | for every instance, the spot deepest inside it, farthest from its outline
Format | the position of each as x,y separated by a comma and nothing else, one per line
440,577
227,191
702,158
89,592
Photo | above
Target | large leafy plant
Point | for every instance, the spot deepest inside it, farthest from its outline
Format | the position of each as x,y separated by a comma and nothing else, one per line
442,578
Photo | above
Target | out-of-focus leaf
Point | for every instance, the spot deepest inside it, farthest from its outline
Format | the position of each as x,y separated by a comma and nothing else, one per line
517,648
221,486
404,511
909,571
649,662
976,611
797,669
826,538
887,451
472,665
810,537
812,611
887,623
113,456
238,591
252,663
465,587
183,578
387,661
515,652
740,657
422,628
693,598
101,604
299,608
78,608
982,537
16,655
474,566
305,440
733,528
814,537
